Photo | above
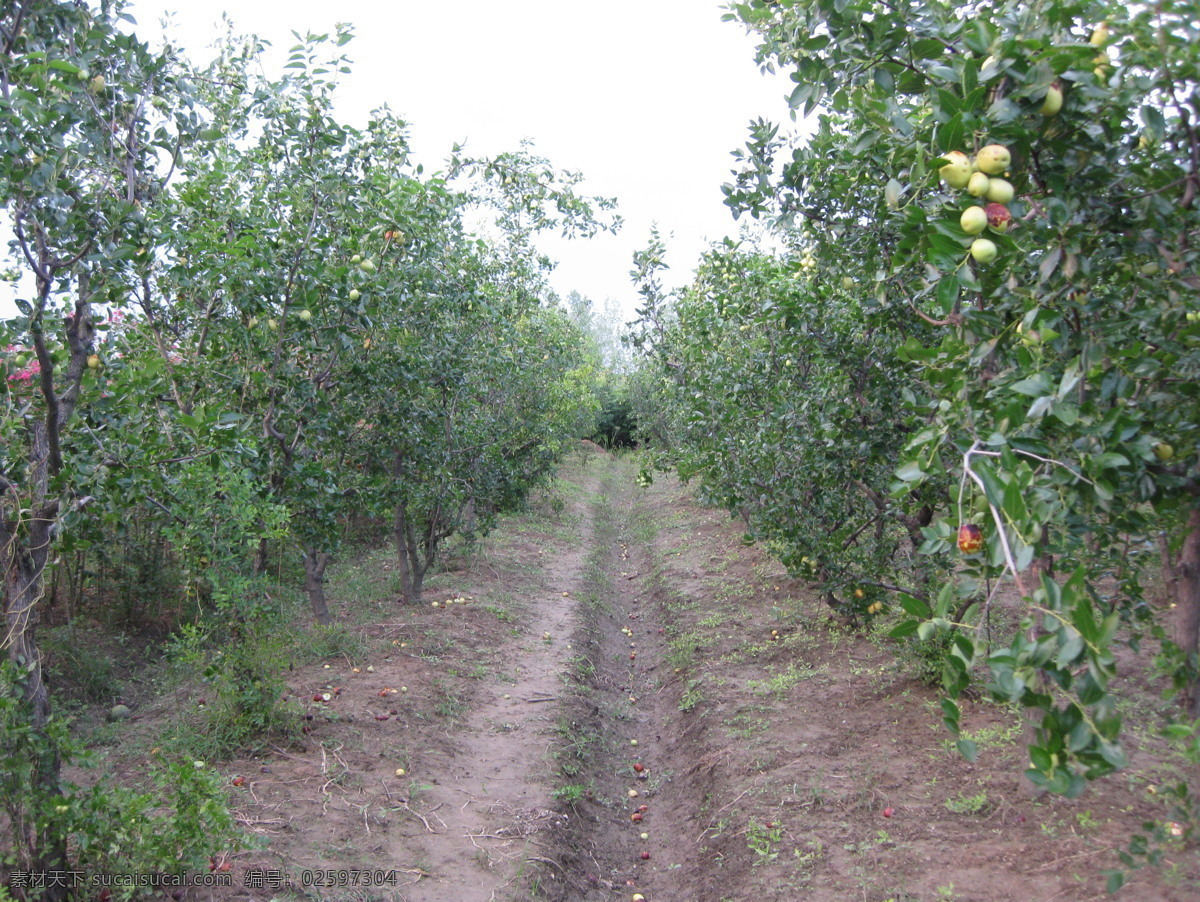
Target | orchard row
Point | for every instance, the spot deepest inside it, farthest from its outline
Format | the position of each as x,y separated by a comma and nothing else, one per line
965,396
243,326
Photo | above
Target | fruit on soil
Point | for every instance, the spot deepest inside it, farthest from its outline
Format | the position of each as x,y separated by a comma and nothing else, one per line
957,171
970,538
973,220
993,159
984,250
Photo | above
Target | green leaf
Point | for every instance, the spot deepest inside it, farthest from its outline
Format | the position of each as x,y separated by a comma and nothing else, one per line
1116,880
903,629
947,292
968,749
1049,264
1040,759
1070,650
915,606
951,715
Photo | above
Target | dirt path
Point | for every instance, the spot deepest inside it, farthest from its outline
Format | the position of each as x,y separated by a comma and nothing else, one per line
617,697
494,808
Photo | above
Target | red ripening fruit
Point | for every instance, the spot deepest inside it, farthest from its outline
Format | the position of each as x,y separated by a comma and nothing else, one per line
639,767
642,809
645,856
238,781
888,812
970,538
636,817
998,217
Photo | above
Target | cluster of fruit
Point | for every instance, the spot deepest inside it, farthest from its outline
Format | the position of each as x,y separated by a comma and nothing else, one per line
983,179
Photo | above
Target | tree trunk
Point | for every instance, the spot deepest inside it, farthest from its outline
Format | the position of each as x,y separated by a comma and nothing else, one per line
1183,584
408,554
315,563
24,559
260,558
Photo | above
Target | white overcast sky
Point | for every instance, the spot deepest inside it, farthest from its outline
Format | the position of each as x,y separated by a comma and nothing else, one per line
647,98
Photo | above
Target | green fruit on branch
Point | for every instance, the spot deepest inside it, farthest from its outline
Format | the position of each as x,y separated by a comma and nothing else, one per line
983,250
957,171
1000,191
998,217
357,258
1099,35
993,159
973,220
1053,101
93,361
978,184
1163,451
892,192
367,266
305,315
355,294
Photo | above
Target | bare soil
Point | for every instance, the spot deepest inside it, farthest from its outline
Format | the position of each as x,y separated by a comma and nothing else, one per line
606,667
